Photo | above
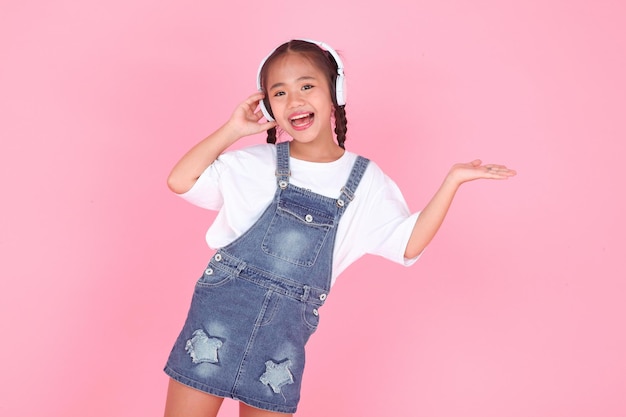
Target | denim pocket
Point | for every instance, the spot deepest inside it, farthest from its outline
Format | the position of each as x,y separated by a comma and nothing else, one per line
213,277
296,233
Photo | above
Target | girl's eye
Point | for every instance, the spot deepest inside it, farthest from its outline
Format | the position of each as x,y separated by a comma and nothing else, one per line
307,87
279,93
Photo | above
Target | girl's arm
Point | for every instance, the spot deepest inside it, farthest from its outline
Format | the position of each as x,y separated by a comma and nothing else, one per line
243,122
431,217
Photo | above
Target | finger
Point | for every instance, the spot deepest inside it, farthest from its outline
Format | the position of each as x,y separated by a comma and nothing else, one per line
258,115
267,126
508,172
499,171
255,98
496,166
492,169
251,103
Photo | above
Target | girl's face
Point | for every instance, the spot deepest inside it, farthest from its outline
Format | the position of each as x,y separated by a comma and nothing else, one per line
300,99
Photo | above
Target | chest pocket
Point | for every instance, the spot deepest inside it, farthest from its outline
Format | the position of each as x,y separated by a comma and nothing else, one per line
297,233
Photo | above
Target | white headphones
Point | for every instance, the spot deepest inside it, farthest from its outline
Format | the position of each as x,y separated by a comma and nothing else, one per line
340,84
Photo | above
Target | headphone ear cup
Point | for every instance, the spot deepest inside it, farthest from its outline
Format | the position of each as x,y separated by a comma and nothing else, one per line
265,109
341,91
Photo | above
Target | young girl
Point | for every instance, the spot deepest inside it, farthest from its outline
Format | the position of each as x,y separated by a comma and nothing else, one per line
292,216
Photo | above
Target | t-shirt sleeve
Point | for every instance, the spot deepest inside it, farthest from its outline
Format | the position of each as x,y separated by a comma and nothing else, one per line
206,192
233,173
388,222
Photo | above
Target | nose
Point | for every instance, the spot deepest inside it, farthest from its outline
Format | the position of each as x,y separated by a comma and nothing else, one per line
295,99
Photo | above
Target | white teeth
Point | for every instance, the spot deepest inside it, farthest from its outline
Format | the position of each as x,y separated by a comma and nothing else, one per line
302,116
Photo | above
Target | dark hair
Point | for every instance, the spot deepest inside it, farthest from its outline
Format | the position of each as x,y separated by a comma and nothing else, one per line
325,62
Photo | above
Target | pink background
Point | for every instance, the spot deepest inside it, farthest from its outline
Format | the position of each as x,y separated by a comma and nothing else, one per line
518,306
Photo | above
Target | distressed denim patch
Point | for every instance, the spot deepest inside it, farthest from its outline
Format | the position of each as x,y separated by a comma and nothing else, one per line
203,348
277,375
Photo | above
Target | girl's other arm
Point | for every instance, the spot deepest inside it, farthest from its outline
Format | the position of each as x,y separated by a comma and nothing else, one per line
431,217
243,122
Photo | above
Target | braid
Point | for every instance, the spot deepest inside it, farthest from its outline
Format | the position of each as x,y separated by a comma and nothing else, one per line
271,135
341,125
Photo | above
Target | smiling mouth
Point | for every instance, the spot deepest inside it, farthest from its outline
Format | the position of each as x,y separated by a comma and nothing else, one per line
302,120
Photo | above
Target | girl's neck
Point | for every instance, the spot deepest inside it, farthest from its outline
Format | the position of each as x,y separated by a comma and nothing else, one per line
313,152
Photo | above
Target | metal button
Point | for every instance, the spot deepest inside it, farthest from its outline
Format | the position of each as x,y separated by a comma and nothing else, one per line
315,312
308,218
322,297
209,271
282,184
218,257
340,203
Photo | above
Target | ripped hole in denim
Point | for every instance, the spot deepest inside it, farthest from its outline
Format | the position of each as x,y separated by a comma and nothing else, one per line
203,348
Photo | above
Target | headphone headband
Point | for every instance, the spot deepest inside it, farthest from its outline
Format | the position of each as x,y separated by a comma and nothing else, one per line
340,83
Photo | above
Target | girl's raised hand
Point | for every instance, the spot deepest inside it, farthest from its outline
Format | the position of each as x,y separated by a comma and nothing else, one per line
245,119
432,215
474,170
243,122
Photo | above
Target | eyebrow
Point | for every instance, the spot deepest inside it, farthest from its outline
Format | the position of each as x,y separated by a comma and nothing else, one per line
304,78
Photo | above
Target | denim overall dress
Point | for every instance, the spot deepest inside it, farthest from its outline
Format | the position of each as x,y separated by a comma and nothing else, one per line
256,304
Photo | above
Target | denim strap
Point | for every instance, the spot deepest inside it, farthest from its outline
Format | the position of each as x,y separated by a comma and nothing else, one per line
348,190
282,164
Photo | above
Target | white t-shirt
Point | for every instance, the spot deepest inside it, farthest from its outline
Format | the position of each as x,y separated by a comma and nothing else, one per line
240,184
